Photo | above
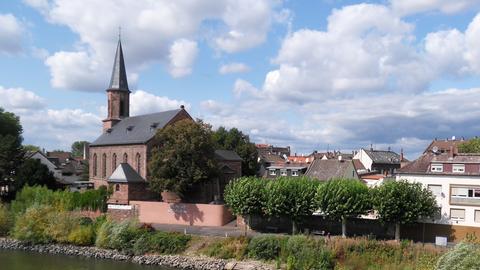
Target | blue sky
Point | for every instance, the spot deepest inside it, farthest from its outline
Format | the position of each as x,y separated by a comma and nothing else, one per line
310,74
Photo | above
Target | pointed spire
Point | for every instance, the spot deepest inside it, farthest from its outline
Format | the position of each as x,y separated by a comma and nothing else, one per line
119,74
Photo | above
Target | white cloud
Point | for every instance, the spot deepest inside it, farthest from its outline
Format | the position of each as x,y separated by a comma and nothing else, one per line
142,102
182,57
19,99
11,30
234,68
150,29
406,7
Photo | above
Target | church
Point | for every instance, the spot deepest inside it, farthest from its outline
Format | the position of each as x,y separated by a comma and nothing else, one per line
119,156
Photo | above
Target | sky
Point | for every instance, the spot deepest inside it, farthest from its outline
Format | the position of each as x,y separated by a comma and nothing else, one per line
315,75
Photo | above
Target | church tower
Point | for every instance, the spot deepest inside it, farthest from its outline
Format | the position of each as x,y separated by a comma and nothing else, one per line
118,93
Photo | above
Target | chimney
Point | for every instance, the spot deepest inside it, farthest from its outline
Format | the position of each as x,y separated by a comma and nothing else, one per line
451,153
371,147
401,154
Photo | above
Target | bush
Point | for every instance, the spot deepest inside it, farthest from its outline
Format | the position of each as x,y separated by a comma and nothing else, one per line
264,247
82,236
6,220
304,253
33,224
463,256
103,232
160,242
59,226
228,248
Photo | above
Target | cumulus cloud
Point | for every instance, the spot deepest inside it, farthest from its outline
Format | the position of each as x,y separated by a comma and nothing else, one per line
182,56
406,7
142,102
11,31
19,99
233,68
152,27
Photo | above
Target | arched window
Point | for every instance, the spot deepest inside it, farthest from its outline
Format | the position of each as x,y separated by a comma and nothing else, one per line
94,164
125,158
138,162
104,165
114,162
117,187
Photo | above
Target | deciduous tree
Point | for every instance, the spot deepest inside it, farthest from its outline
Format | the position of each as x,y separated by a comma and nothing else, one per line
33,173
185,156
342,198
77,148
401,202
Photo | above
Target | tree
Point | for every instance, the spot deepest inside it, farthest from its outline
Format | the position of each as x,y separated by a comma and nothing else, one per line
293,197
77,148
470,146
33,173
463,256
401,202
245,197
185,156
31,148
235,140
11,151
342,198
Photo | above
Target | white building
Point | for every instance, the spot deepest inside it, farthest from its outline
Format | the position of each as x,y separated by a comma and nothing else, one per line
454,179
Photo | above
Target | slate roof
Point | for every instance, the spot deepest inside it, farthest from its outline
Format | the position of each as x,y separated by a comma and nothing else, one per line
271,158
124,173
227,155
136,129
119,74
383,157
326,169
443,145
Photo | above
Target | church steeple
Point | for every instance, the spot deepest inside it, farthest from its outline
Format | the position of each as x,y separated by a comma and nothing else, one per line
119,74
118,93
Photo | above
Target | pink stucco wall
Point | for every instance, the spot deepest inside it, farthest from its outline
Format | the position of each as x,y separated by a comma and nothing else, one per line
183,213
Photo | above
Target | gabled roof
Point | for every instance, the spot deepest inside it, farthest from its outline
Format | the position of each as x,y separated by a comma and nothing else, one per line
326,169
119,74
136,130
228,155
124,173
383,157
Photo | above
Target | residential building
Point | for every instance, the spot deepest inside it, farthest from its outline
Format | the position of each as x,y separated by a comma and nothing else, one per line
301,159
333,155
379,161
454,179
286,169
327,169
268,149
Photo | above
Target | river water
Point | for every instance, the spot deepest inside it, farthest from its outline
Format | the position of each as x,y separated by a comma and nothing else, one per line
23,260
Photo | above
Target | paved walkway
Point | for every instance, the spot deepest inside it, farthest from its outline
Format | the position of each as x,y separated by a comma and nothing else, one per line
226,230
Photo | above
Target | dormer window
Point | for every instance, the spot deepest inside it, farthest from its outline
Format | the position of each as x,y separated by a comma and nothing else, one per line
153,126
129,128
458,168
437,167
108,131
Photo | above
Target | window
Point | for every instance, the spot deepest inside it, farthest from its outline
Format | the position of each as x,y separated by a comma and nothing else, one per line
283,172
436,190
458,168
94,164
114,162
457,214
477,216
125,158
294,173
466,192
437,168
117,187
138,162
104,165
272,172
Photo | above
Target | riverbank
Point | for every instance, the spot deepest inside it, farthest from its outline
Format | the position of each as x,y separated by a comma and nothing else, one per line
169,261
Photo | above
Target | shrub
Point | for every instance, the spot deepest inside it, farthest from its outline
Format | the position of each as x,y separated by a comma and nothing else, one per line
264,247
82,236
304,253
228,248
160,242
59,226
103,233
124,234
32,225
463,256
6,220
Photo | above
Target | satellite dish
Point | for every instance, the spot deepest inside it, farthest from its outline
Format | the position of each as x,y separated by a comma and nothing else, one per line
435,149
